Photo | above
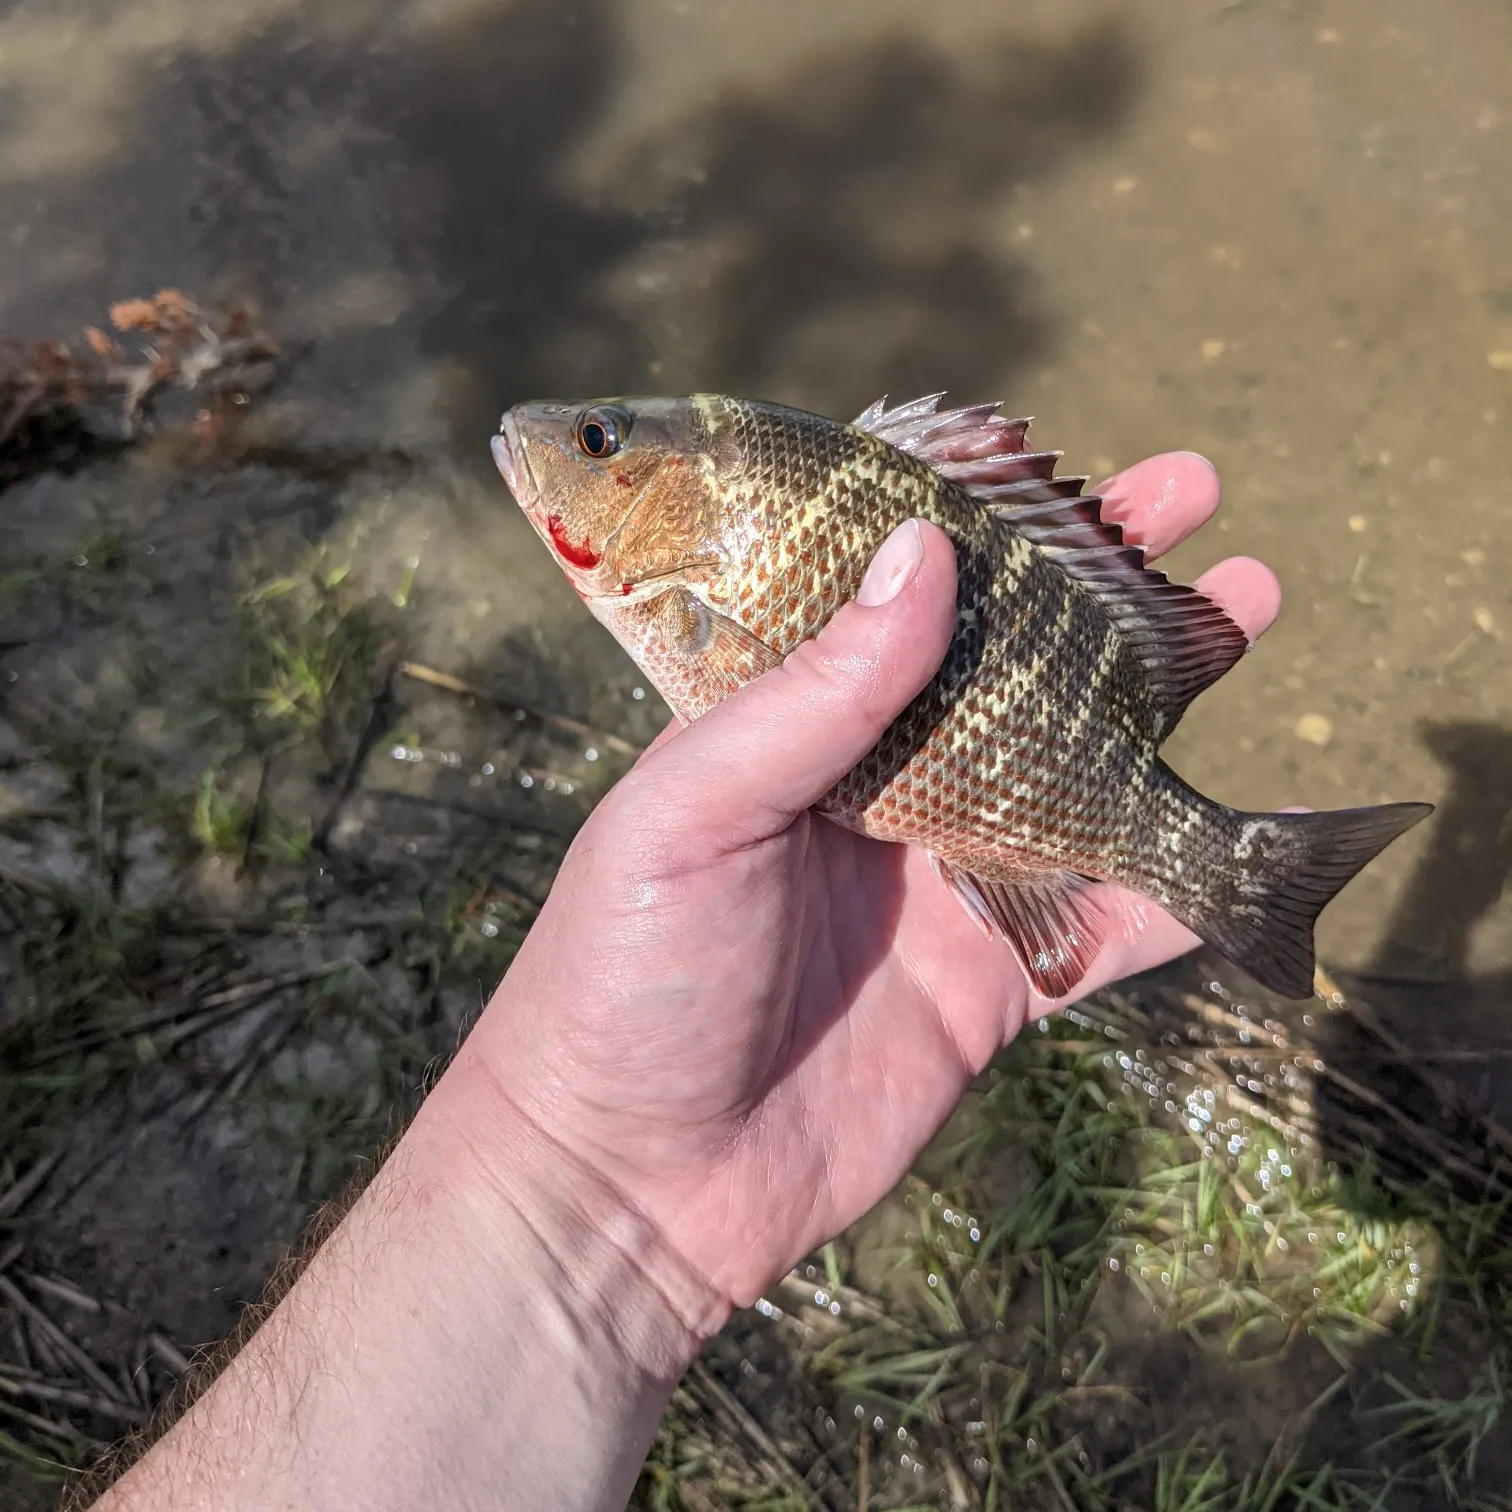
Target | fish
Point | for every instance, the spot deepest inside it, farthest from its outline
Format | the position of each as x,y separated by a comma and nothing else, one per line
712,535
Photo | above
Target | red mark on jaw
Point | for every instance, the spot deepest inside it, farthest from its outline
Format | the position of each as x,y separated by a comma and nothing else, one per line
623,479
583,556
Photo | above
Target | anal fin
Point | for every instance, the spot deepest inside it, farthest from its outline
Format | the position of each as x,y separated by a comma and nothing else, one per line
1053,925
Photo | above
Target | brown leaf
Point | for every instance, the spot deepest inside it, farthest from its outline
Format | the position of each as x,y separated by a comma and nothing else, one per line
174,311
100,344
134,315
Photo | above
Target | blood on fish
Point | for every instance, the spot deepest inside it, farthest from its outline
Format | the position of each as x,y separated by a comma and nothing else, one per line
623,479
583,556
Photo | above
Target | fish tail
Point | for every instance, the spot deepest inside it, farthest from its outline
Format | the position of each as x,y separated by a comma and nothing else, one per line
1258,904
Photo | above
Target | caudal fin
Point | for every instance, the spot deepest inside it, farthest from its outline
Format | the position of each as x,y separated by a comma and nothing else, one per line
1285,869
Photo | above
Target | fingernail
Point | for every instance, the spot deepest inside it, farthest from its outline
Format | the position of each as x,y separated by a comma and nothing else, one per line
895,562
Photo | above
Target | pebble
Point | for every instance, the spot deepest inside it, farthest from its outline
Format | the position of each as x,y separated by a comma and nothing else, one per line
1501,361
1357,523
1212,350
1315,729
1485,620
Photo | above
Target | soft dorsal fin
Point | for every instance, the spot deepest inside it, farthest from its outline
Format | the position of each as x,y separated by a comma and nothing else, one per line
1184,641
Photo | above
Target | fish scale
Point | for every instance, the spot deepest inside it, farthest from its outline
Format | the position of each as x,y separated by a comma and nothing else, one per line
932,779
1028,768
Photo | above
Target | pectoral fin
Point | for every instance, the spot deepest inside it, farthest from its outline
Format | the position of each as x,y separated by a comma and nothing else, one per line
695,655
1051,922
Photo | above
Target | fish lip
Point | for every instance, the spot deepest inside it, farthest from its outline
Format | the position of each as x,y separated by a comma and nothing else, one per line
509,457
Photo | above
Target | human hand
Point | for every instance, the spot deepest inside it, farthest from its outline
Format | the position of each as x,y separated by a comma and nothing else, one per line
744,1021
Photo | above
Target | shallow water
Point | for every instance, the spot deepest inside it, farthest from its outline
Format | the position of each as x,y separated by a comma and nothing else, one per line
1276,233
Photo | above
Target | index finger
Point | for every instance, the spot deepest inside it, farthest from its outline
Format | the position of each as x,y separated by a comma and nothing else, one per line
1162,500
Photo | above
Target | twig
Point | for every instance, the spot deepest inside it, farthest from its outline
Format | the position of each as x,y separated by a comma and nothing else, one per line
64,1292
60,1340
1444,1091
24,1188
729,1409
69,1396
166,1351
253,1056
1047,1461
1296,1426
53,1429
493,817
863,1468
450,684
213,1009
380,711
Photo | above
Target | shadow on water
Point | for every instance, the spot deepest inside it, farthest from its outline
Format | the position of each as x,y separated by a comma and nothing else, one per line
816,243
1425,980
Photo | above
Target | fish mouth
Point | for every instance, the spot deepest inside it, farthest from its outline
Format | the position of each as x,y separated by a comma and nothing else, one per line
509,458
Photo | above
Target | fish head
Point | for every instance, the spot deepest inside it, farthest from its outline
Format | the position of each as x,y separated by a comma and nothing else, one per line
620,490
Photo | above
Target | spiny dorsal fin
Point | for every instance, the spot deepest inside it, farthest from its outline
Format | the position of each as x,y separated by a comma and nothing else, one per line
1184,641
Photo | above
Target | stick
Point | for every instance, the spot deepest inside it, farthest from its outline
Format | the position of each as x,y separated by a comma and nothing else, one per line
41,1424
450,684
64,1292
24,1188
60,1340
727,1407
214,1008
168,1353
863,1469
68,1396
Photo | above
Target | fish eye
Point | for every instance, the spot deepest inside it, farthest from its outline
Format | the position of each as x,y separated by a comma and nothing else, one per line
601,431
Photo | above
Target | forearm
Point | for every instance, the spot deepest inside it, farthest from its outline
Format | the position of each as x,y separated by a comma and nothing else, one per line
488,1328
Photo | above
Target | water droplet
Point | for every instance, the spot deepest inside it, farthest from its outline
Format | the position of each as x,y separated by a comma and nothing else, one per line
488,769
526,780
637,694
591,754
489,928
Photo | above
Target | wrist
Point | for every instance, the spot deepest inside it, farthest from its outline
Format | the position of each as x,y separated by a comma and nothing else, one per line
526,1201
488,1326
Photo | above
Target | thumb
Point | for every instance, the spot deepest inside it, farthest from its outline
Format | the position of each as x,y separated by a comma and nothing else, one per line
764,755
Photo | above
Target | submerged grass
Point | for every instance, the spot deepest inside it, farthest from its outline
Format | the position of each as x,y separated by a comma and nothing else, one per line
1003,1363
1131,1274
